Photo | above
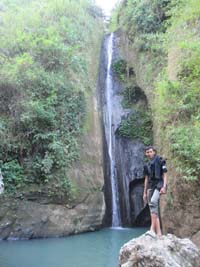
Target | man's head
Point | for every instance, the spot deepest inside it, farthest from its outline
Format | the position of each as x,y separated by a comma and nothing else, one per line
150,152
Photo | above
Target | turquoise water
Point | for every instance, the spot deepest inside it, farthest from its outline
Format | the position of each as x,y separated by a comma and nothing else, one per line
96,249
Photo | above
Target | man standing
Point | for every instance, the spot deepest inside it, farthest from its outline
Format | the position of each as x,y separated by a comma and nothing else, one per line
155,184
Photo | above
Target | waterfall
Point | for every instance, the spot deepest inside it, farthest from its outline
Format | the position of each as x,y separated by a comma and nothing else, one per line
123,157
116,221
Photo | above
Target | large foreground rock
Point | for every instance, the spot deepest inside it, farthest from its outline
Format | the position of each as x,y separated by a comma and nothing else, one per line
167,251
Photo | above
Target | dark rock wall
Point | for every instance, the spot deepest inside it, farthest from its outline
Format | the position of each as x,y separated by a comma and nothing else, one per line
129,165
128,154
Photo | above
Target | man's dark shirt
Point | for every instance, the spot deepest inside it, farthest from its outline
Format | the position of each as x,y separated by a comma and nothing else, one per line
154,169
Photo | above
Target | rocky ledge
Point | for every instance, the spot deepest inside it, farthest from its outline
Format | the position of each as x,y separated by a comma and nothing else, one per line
166,251
23,219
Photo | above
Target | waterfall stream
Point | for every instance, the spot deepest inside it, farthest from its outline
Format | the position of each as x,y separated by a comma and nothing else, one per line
123,156
116,221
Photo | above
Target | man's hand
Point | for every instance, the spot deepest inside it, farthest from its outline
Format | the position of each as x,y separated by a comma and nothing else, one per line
163,190
145,197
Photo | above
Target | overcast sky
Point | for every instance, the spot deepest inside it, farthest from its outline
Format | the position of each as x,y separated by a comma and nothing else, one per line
106,5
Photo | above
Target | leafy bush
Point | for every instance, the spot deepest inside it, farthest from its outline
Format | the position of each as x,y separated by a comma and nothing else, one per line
45,60
177,102
156,28
13,175
185,146
120,69
137,126
144,16
132,95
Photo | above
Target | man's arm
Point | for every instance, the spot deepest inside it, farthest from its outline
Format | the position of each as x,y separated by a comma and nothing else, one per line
163,190
145,188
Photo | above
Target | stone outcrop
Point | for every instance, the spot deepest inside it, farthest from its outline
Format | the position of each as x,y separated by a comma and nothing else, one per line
21,219
167,251
35,214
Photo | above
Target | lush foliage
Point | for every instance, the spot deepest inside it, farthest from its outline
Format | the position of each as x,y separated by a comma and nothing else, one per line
134,97
137,126
120,69
145,16
45,60
178,106
178,101
159,29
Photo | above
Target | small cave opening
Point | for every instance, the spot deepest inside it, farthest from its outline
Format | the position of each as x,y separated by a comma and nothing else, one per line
140,215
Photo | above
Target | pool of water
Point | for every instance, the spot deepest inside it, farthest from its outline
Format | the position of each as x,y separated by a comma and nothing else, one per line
96,249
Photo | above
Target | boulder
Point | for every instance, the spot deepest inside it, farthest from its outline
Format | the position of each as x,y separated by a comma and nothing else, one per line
166,251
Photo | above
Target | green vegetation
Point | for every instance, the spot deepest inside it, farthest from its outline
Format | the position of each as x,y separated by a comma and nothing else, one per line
146,16
120,69
178,101
141,17
137,126
45,62
134,97
166,35
178,106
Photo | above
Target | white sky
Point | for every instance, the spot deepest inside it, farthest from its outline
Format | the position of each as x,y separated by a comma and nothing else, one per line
106,5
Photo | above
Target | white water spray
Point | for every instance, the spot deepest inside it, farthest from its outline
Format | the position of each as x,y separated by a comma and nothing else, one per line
116,221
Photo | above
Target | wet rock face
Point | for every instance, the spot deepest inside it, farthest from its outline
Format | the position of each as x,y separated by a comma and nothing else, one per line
136,197
166,251
128,154
140,214
129,167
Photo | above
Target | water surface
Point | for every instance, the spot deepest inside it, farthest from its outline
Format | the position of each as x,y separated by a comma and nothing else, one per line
97,249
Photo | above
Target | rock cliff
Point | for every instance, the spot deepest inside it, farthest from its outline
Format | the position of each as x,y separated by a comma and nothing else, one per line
50,141
180,208
36,214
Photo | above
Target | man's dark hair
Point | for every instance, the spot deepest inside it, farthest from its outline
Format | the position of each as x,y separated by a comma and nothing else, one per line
150,147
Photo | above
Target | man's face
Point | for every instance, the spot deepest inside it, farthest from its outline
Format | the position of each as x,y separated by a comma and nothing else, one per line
150,153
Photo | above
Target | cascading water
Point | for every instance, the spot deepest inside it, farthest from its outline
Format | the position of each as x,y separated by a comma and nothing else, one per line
116,221
123,156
